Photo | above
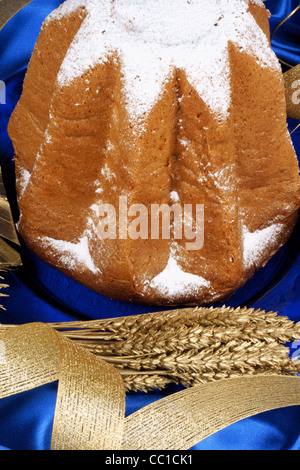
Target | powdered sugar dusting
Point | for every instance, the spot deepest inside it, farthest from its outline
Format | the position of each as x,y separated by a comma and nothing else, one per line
72,254
173,280
255,243
152,38
174,197
260,3
23,180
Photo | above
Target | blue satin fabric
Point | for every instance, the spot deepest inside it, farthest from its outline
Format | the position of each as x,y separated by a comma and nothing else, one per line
40,293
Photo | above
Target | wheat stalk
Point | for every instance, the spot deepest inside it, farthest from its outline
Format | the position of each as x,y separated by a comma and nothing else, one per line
189,345
145,322
145,382
126,327
195,337
243,356
191,380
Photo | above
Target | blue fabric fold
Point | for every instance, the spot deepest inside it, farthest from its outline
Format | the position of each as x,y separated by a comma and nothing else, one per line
38,292
286,40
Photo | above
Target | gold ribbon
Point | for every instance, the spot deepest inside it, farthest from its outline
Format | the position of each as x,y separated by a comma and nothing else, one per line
90,405
90,399
291,79
292,87
9,8
284,21
9,242
181,420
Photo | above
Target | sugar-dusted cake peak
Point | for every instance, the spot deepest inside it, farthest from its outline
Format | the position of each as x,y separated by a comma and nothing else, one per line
152,37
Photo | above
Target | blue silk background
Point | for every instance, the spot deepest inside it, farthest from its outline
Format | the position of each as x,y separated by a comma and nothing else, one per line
40,293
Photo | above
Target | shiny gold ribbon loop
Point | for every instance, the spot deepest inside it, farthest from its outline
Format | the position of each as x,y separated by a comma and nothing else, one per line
292,92
90,404
180,421
29,358
10,8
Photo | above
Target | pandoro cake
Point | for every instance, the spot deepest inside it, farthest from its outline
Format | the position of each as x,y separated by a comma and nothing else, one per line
139,105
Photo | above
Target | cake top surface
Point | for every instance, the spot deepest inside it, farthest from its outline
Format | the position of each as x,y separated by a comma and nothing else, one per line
152,37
